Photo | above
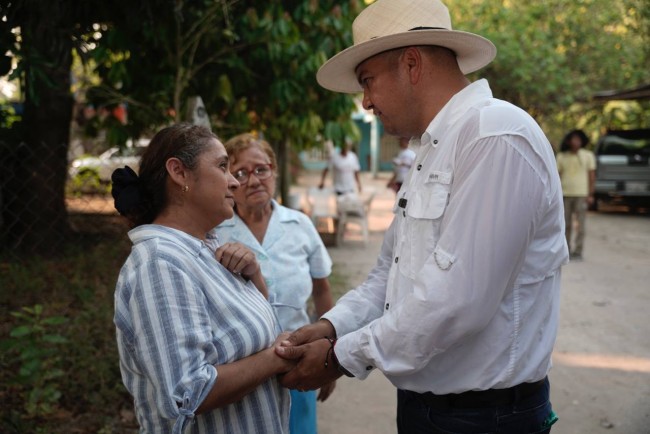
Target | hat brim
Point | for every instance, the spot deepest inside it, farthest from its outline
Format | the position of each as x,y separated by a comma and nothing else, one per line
472,51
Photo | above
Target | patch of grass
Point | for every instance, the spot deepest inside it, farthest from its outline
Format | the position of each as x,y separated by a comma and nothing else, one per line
86,395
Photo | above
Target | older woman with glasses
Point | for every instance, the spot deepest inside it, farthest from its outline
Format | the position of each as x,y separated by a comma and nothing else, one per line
294,261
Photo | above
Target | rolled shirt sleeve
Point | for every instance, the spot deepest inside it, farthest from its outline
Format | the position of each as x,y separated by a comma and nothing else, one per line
172,338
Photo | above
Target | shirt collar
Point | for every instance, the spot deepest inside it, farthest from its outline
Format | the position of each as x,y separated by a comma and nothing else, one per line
182,239
456,107
283,214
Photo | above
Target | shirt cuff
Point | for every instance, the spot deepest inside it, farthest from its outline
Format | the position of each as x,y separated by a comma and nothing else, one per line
338,319
349,353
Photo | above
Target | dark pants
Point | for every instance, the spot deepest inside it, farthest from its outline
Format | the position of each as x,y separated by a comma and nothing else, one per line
529,415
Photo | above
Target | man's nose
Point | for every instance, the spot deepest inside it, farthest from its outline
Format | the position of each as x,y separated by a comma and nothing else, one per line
366,102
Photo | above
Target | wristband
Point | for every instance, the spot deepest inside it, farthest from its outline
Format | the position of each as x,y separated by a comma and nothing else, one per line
339,368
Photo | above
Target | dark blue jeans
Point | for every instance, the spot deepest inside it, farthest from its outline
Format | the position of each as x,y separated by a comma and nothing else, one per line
530,415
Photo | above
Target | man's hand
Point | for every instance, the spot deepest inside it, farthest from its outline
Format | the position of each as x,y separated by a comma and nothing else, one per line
311,372
311,333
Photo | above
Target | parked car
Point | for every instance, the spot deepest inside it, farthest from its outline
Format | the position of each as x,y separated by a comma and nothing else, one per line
623,168
93,173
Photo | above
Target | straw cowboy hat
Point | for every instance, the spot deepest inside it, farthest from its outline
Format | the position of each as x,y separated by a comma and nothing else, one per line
389,24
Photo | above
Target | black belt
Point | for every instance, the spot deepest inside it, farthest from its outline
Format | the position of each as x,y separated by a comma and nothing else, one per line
482,398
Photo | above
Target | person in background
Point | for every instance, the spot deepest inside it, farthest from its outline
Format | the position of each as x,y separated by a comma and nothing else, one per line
401,165
577,168
461,310
195,337
345,169
293,258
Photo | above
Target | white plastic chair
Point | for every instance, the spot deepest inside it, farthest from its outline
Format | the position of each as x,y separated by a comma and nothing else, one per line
322,209
352,208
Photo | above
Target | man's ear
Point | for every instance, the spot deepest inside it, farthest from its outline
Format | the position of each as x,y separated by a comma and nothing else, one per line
177,171
412,59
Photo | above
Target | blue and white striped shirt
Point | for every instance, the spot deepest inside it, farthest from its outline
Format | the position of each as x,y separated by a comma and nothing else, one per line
178,314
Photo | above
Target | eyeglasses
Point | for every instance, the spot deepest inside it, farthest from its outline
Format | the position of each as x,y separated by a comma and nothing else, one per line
261,172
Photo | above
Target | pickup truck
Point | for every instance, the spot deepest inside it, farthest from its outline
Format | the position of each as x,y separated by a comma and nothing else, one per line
623,168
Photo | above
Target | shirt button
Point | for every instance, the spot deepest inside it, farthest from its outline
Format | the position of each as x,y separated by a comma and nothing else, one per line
368,368
396,259
419,166
435,142
387,304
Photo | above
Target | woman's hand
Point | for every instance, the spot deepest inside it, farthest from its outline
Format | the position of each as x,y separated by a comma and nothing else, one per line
237,258
282,365
241,260
326,391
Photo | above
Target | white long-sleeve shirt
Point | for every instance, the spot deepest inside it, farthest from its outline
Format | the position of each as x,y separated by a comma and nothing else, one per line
465,292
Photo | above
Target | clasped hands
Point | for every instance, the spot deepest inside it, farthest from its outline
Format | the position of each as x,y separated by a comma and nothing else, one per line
310,350
306,348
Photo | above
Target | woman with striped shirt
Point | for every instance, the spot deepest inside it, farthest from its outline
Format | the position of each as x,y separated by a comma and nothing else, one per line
194,333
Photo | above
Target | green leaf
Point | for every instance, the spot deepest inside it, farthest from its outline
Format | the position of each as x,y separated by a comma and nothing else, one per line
55,339
55,320
20,331
30,368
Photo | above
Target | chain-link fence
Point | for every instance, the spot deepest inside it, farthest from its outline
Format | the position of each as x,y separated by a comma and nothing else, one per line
61,248
48,197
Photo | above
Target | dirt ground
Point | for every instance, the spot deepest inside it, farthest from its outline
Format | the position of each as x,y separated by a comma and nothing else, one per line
600,382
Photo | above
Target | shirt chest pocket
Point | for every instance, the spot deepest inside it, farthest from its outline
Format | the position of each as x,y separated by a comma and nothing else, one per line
421,228
430,199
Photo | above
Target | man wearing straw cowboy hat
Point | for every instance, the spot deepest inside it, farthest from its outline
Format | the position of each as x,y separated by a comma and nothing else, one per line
460,312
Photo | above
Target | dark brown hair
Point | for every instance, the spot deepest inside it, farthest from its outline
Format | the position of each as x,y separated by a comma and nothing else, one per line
566,141
183,141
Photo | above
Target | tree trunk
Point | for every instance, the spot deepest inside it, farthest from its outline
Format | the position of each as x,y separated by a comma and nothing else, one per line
34,216
283,171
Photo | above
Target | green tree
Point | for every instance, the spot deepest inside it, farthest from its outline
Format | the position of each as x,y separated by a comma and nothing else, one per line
150,59
253,63
556,53
271,86
152,56
33,152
